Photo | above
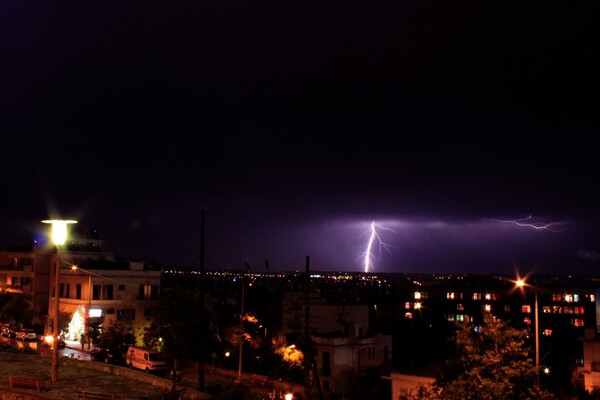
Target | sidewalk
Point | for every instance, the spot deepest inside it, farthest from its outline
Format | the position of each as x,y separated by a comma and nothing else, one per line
76,345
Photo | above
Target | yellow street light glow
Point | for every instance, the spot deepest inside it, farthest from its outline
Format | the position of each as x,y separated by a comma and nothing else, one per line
59,229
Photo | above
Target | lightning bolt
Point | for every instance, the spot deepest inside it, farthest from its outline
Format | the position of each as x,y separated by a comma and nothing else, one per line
373,243
529,222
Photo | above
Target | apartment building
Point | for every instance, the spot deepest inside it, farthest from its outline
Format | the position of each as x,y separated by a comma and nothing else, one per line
92,283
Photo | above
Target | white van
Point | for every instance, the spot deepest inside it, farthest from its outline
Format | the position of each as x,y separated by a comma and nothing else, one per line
145,359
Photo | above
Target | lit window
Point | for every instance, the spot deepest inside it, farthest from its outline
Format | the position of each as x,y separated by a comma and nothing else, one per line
460,307
547,332
450,295
527,321
407,305
578,323
417,295
417,306
477,296
592,298
460,317
557,298
569,298
576,298
487,307
450,317
408,315
525,308
488,296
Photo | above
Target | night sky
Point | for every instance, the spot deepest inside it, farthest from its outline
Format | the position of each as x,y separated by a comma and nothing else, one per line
295,126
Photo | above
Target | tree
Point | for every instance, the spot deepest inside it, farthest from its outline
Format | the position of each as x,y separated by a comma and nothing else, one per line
490,362
116,336
18,309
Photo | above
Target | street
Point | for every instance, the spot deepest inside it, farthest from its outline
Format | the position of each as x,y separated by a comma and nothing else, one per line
38,345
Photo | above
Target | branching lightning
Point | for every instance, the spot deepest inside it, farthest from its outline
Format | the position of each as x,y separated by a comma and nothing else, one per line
529,222
374,244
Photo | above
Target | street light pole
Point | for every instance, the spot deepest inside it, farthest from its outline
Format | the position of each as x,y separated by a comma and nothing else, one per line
521,283
56,311
59,237
537,340
89,309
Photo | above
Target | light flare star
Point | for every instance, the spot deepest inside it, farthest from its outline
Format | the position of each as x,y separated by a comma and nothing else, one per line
532,223
375,243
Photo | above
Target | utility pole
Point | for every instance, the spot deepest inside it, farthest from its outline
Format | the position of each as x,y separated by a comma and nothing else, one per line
307,349
202,313
241,339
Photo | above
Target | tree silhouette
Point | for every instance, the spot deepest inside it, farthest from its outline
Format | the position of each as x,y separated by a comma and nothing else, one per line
490,362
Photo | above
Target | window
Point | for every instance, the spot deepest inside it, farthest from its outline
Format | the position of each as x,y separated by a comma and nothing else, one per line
110,310
121,288
326,363
487,307
569,298
78,291
417,295
477,296
526,309
557,298
460,307
407,305
102,292
125,315
450,295
578,323
148,292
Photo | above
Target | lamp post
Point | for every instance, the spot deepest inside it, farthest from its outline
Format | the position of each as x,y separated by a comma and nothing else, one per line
521,284
59,237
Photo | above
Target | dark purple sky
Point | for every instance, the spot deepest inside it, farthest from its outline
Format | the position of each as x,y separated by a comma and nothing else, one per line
294,126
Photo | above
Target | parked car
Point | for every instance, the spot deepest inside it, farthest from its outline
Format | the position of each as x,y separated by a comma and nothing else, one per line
10,331
26,334
105,355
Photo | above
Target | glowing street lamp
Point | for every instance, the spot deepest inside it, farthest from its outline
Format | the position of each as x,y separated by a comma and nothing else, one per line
59,237
521,284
